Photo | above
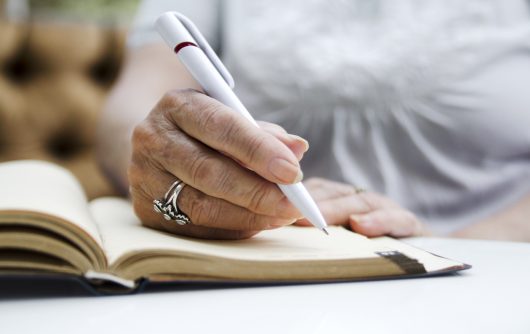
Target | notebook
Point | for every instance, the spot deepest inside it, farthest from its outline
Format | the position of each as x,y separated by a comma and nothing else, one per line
47,227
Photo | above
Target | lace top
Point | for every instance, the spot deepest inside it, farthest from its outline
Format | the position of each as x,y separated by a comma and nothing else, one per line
427,102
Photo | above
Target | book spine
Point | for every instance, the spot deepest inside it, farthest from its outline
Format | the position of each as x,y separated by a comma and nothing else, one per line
408,265
106,277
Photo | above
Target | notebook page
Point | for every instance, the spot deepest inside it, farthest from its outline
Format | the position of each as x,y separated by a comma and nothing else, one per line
39,186
122,233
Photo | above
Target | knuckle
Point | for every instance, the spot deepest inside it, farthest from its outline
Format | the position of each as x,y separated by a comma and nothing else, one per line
134,174
175,98
141,133
169,98
168,152
217,122
145,137
174,104
201,210
149,149
254,147
202,169
371,201
223,183
259,198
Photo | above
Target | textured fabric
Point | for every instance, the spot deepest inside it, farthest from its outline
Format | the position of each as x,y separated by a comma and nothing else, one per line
52,89
427,102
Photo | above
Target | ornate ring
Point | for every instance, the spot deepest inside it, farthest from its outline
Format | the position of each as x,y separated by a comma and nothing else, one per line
168,206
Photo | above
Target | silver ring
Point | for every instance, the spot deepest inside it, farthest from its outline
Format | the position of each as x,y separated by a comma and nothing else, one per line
175,195
181,218
168,206
173,185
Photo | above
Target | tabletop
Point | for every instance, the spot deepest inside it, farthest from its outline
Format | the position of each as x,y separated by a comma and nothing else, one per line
492,297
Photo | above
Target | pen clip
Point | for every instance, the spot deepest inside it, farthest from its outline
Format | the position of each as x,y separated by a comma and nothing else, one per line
206,48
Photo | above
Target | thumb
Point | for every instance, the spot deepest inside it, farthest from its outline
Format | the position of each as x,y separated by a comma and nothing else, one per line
296,144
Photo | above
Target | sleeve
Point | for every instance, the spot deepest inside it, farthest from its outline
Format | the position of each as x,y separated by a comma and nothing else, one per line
204,13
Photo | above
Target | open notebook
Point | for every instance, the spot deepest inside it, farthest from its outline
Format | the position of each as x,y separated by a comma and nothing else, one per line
47,226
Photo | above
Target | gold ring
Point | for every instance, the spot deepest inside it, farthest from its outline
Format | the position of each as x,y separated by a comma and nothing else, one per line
359,190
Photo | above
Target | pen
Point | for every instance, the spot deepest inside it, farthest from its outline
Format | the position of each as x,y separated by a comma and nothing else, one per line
181,35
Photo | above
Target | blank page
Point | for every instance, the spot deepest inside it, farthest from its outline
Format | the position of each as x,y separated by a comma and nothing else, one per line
42,187
122,233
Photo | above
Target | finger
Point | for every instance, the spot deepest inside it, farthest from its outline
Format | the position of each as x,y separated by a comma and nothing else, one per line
271,127
376,201
323,189
337,211
221,128
209,211
205,210
143,208
296,144
393,222
206,170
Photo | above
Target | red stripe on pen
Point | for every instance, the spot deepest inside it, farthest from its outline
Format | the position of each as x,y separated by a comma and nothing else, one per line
183,45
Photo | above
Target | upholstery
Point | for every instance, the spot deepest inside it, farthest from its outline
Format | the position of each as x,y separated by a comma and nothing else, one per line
53,82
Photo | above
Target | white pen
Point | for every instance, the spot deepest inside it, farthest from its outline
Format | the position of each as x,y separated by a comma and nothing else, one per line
198,57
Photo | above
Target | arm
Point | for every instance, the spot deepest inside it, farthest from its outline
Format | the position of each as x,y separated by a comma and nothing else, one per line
148,73
152,133
510,224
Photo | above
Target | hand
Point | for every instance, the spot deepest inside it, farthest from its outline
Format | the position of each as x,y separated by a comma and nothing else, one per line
366,213
229,167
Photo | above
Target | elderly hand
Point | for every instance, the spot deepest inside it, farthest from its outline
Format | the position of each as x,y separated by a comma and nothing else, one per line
229,166
366,213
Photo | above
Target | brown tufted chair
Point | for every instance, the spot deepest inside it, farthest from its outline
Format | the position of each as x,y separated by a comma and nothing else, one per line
53,81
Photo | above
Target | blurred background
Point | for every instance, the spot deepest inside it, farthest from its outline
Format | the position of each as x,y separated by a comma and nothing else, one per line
58,59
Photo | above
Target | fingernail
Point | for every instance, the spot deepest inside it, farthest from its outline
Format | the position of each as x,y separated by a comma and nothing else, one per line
301,140
285,171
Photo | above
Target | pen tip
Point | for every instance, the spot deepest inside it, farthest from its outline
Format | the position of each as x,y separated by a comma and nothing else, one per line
325,231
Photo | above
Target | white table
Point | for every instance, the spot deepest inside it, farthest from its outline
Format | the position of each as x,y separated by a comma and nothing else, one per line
492,297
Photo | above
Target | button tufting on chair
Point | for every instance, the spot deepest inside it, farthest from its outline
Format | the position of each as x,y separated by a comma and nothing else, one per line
53,82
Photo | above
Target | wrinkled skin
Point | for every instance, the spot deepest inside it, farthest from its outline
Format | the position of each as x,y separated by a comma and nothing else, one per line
230,168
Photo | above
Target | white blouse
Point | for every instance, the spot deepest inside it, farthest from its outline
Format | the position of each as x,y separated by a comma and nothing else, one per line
427,102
